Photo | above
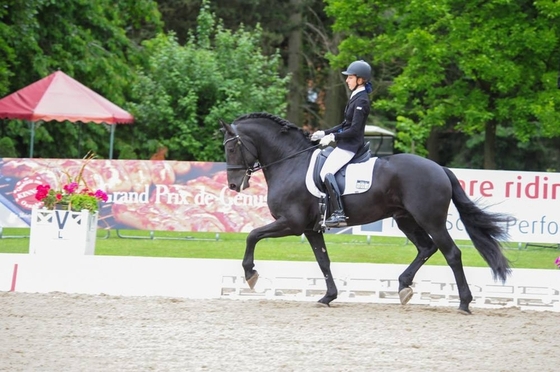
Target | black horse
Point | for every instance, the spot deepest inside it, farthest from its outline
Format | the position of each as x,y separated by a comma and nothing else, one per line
413,190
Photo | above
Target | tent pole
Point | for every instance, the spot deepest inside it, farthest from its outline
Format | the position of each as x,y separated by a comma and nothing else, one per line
32,140
80,128
111,141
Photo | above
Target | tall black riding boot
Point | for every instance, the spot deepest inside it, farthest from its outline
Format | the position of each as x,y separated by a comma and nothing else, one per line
337,218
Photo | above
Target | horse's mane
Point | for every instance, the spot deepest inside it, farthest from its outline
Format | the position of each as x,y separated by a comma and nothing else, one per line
265,115
285,125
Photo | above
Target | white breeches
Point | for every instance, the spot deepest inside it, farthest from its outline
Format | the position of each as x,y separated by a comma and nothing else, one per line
336,160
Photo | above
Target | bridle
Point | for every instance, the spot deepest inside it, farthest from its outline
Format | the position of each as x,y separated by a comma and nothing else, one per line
249,169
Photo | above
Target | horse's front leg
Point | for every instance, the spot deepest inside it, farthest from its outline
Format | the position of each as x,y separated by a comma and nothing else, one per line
317,242
275,229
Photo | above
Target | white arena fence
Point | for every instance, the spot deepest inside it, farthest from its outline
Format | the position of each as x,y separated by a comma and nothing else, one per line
527,289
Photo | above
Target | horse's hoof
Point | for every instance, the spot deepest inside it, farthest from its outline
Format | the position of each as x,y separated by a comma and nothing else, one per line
405,295
326,300
253,280
464,311
322,304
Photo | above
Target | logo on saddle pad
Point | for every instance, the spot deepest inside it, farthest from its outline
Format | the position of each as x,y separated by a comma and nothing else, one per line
353,178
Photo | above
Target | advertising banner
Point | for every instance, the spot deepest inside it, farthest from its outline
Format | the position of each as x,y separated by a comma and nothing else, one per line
530,199
194,196
143,194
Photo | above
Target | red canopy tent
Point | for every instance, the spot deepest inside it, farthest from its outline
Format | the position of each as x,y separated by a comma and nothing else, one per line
59,97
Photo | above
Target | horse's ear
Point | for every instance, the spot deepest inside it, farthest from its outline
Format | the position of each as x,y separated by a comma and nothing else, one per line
226,128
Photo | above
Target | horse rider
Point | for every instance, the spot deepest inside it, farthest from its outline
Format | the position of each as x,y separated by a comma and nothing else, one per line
348,135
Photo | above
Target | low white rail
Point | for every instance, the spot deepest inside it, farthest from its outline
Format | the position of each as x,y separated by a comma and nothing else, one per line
279,280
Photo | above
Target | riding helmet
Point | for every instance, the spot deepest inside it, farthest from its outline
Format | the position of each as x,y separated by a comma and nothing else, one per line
359,68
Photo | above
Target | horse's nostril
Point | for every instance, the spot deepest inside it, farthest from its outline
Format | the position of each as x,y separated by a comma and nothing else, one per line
232,186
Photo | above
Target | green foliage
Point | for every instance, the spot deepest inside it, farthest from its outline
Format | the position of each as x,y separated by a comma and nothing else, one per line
411,136
180,16
95,42
458,63
82,201
445,64
7,148
184,90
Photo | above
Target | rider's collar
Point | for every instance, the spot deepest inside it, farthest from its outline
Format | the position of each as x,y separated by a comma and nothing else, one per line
357,90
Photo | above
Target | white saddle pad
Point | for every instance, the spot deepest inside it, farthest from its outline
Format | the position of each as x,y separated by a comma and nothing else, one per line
358,177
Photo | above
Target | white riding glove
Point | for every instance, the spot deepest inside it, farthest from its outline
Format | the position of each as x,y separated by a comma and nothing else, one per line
326,140
317,135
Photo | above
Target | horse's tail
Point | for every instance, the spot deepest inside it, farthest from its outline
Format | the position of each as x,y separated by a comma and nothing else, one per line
485,229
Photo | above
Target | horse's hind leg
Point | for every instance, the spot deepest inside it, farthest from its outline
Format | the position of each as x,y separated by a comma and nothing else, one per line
452,255
425,247
317,242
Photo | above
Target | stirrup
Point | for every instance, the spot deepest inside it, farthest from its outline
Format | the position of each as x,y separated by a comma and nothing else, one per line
337,219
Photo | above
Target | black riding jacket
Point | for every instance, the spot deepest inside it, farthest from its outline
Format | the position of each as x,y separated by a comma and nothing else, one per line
349,135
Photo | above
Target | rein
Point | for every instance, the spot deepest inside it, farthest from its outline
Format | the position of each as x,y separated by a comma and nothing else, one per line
257,167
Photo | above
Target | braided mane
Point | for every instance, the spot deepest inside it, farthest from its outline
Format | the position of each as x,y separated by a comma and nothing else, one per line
266,115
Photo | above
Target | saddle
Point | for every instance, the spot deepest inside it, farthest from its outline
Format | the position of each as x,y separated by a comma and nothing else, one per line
361,156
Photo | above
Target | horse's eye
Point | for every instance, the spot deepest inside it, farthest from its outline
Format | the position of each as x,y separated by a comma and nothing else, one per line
230,150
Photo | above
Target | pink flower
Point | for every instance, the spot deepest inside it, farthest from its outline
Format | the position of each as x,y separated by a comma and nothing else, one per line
42,192
71,187
101,195
75,193
557,262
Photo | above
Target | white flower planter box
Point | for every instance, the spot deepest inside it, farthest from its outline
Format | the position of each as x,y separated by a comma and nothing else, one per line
62,232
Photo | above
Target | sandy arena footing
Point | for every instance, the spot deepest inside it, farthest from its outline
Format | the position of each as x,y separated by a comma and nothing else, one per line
67,332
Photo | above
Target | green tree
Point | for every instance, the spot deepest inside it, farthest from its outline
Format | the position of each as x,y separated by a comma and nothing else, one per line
7,148
95,42
185,89
299,29
472,66
180,17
